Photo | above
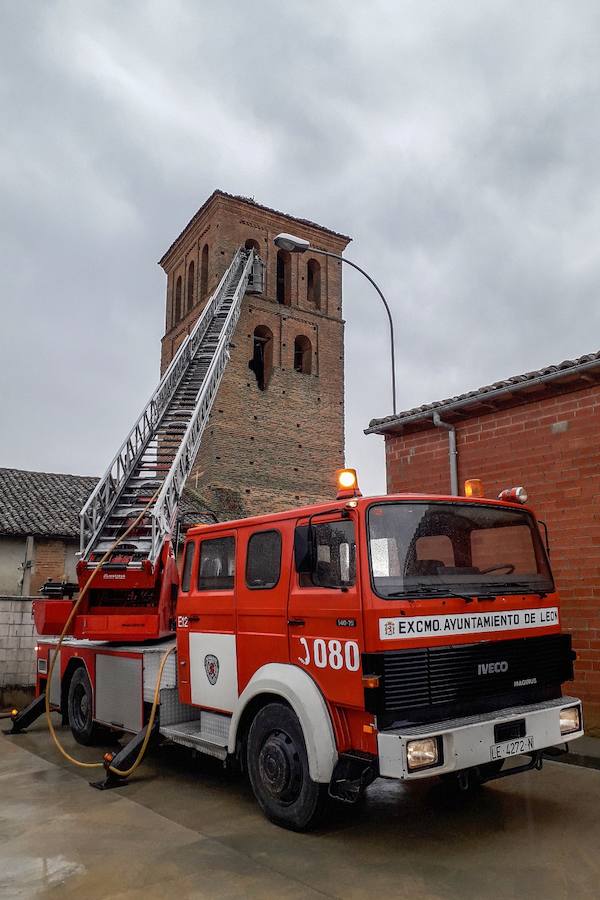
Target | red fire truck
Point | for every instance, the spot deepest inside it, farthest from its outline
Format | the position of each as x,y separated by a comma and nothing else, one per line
402,636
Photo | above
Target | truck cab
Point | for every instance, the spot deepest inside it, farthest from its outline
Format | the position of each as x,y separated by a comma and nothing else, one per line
424,629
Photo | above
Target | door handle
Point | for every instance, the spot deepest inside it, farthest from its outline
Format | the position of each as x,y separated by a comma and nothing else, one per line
193,618
297,622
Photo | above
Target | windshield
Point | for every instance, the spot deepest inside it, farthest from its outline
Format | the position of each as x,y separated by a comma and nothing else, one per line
441,549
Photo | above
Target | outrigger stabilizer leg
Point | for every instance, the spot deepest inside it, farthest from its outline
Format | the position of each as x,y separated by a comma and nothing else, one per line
20,720
123,760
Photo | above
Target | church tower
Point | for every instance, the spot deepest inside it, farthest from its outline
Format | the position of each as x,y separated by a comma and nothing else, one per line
276,431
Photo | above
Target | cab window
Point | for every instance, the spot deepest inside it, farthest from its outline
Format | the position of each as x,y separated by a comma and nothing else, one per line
263,563
188,562
335,563
217,564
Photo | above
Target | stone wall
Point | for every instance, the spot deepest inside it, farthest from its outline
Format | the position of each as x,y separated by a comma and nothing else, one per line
17,648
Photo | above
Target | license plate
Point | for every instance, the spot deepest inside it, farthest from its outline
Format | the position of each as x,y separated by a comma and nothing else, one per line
511,748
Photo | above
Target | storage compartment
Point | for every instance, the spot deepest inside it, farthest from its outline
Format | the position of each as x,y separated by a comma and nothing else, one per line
119,691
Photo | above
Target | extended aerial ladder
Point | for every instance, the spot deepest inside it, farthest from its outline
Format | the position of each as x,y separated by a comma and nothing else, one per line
132,595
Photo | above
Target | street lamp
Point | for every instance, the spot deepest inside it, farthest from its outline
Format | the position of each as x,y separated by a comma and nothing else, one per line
294,244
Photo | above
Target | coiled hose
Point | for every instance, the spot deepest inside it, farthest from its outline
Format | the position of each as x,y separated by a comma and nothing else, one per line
77,762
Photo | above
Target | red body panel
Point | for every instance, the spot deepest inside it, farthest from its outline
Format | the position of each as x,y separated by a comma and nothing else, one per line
50,616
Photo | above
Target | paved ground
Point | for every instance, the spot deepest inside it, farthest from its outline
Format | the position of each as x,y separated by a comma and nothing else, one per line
186,829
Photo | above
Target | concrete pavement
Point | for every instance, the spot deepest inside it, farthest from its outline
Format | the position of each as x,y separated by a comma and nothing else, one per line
185,828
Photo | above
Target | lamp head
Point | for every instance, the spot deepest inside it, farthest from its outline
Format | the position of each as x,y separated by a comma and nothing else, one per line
291,243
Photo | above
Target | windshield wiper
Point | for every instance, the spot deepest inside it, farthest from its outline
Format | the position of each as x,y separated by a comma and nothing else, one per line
524,587
433,592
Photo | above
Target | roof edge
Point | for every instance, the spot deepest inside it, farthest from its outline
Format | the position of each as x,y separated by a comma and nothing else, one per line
392,423
253,204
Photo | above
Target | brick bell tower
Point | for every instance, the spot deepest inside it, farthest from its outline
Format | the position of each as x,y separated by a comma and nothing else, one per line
276,431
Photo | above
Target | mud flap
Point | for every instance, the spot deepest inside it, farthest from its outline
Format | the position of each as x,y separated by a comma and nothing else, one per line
351,775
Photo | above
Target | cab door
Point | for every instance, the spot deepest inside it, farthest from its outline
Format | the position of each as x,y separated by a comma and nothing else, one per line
206,624
325,625
262,597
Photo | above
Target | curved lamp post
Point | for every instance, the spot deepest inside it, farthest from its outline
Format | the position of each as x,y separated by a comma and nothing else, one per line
294,244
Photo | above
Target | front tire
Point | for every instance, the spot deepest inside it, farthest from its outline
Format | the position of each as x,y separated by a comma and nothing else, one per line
278,769
80,707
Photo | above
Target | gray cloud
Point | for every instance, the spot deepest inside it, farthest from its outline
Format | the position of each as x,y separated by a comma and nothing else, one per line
457,143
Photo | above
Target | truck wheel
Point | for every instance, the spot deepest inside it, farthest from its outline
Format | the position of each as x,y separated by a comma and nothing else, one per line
80,706
278,769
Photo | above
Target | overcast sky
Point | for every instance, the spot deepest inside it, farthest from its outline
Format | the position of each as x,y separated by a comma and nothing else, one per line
458,143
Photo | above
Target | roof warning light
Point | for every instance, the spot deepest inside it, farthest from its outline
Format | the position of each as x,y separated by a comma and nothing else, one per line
347,484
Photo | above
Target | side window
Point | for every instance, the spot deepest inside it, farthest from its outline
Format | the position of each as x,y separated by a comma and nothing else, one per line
263,563
336,553
188,562
217,564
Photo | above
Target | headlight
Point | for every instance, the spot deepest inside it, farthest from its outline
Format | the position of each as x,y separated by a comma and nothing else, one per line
422,753
570,719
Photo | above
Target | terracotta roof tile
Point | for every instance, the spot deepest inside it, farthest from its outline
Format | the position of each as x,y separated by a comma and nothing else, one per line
548,373
47,503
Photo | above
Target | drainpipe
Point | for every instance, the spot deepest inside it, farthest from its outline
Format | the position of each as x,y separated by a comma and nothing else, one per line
452,452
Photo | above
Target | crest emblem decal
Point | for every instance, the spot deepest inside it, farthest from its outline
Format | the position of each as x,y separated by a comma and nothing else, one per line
211,665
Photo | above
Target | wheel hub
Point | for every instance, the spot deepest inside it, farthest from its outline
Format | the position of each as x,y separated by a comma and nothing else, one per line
81,707
280,768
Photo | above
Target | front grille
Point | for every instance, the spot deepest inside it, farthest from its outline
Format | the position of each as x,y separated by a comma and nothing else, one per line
466,674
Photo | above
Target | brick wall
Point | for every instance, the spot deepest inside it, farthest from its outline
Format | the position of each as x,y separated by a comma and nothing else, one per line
17,645
551,446
278,447
26,563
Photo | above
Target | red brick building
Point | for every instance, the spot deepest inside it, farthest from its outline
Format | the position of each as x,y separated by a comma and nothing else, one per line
275,436
541,430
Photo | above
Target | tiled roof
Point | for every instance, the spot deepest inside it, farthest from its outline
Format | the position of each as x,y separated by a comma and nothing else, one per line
565,374
251,202
45,503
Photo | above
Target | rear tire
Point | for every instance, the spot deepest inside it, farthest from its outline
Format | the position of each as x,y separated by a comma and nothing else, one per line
278,769
80,707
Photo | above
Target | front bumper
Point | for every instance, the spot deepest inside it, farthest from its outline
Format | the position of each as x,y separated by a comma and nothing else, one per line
466,742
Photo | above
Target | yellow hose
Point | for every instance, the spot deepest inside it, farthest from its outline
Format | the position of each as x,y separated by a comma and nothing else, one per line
77,762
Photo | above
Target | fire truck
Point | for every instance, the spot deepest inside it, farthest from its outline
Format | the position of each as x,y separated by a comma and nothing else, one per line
403,636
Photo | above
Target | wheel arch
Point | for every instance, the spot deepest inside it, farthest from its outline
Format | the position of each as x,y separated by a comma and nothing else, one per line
74,663
280,682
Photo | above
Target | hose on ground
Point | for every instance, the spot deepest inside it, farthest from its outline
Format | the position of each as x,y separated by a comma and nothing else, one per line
77,762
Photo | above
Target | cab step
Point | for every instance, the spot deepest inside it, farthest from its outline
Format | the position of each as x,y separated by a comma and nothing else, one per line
209,734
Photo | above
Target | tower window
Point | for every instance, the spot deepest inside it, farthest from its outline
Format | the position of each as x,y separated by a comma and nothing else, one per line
251,244
190,286
313,282
262,356
284,278
204,272
303,355
177,314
